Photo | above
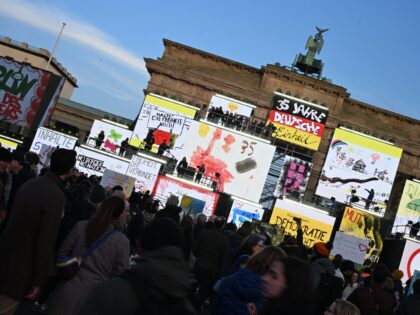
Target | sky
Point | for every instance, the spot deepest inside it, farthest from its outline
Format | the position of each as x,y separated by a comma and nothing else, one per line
371,47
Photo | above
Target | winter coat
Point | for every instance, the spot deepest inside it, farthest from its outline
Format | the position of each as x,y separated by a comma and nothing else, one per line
211,251
318,267
162,277
239,294
373,301
171,212
27,243
409,306
109,259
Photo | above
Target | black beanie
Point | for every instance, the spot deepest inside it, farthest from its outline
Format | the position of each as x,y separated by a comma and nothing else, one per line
62,160
158,233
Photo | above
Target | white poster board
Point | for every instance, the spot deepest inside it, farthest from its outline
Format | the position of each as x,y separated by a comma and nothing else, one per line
145,171
410,260
350,247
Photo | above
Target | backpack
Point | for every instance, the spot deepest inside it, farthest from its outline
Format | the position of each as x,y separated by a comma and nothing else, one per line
170,306
329,289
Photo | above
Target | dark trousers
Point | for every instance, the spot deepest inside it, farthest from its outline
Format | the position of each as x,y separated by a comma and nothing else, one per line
205,282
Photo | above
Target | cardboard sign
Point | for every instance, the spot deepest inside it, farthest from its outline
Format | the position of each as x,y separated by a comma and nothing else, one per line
145,171
112,179
241,212
350,247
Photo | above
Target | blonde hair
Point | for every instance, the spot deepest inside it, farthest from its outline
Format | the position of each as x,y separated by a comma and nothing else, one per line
346,308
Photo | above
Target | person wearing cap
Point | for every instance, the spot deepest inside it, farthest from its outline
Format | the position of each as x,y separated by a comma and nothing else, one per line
159,283
27,243
327,287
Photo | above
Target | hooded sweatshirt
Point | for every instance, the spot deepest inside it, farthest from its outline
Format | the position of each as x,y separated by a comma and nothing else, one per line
159,279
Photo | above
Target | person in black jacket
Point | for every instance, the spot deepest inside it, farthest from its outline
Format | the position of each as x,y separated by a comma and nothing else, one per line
411,305
211,250
159,284
171,209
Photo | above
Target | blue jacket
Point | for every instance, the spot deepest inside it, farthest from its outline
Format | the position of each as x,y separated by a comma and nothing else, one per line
239,294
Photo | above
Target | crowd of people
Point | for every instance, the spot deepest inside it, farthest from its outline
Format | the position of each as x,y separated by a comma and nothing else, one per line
239,122
70,246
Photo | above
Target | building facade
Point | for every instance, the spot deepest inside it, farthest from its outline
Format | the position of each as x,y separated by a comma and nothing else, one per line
194,76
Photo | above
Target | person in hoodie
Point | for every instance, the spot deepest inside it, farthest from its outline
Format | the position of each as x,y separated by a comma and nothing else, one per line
327,287
171,210
241,292
159,284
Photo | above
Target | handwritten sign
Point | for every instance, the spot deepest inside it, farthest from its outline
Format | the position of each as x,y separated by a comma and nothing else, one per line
350,247
112,179
53,139
145,171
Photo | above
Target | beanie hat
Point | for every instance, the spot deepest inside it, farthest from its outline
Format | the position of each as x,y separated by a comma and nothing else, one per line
398,274
158,233
97,194
5,155
62,160
322,249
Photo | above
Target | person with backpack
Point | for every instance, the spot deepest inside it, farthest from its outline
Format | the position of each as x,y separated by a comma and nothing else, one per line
103,251
375,299
159,284
327,287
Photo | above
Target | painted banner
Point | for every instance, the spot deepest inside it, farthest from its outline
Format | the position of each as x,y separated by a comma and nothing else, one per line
316,226
114,135
297,121
410,260
409,208
8,144
362,164
365,226
350,247
51,106
112,179
145,171
192,206
241,212
52,139
243,163
161,119
293,178
168,186
231,106
92,162
25,92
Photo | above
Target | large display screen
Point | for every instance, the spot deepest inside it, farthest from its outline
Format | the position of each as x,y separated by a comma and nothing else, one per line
8,144
24,96
241,212
242,162
231,106
297,121
114,135
145,171
409,208
293,178
161,119
52,139
168,186
316,226
410,260
92,162
359,168
365,226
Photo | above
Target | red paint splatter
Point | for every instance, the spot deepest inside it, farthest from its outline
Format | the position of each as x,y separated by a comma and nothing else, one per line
212,164
109,145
